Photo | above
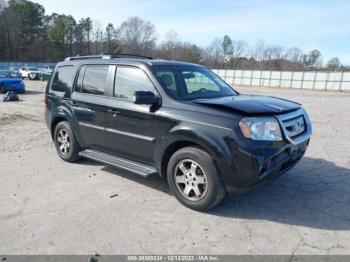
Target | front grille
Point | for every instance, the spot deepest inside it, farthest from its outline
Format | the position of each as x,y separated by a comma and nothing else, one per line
295,125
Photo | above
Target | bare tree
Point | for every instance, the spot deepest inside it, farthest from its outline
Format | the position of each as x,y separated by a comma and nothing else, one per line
215,53
334,63
295,54
137,36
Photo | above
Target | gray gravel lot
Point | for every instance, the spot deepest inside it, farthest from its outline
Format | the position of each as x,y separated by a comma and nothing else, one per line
48,206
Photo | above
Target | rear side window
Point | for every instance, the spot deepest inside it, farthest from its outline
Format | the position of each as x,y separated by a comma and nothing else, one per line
92,79
131,79
63,79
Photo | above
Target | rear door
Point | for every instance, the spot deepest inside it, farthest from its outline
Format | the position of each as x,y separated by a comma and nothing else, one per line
89,104
133,130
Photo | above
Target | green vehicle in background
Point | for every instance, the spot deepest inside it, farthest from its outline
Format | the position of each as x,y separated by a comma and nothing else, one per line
45,72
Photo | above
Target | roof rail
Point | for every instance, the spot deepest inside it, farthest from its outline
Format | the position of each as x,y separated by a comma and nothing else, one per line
105,56
131,56
78,57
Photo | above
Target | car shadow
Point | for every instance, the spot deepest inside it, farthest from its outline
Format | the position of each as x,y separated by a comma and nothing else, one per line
32,92
316,194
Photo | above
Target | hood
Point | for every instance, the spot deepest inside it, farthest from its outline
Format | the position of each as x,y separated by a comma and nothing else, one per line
251,104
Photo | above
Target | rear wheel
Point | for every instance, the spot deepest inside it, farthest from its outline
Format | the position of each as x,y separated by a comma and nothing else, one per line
66,145
194,179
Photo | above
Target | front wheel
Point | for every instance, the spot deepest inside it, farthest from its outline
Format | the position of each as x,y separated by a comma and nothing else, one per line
194,179
66,145
31,76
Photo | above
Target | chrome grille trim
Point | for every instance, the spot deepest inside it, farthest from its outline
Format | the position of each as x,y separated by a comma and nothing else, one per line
301,129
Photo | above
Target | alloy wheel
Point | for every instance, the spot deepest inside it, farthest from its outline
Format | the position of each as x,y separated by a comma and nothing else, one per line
63,141
190,180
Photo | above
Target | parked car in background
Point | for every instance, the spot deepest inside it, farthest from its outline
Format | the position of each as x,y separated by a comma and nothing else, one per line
47,69
32,73
14,69
45,72
10,81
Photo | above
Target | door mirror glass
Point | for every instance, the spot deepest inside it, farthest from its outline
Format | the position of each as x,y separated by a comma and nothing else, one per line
145,98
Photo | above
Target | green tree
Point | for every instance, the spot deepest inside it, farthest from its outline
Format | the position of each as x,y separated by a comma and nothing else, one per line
30,18
193,54
227,47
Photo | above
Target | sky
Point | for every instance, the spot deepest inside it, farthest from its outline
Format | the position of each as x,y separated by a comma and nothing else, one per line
308,24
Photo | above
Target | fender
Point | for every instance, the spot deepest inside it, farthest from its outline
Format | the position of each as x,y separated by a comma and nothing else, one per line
64,111
200,135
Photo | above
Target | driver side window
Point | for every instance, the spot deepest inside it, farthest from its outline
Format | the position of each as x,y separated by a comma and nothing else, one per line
128,80
196,81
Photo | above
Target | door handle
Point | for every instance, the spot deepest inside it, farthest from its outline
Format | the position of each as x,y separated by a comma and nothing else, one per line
114,112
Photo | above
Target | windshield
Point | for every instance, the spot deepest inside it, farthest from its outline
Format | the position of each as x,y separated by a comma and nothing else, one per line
191,82
32,69
7,74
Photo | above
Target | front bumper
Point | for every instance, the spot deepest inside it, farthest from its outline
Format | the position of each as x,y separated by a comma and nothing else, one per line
257,162
265,168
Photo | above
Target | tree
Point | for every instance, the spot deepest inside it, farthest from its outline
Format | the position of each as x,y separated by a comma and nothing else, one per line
27,28
227,47
137,36
215,53
333,63
171,47
193,54
295,54
313,59
239,50
86,27
110,33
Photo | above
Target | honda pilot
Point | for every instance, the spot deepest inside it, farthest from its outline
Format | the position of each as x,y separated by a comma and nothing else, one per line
174,119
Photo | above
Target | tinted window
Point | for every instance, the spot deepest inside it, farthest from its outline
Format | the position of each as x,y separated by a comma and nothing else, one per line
63,79
190,82
94,79
79,86
131,79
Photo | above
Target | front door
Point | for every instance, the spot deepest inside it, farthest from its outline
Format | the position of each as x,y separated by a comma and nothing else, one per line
133,130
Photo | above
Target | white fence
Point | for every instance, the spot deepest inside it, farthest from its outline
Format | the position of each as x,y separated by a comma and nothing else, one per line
339,81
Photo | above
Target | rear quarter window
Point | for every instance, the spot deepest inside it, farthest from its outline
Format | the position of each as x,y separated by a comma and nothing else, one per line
62,80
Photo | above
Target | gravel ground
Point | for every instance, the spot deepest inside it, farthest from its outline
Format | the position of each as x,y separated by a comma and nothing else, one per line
48,206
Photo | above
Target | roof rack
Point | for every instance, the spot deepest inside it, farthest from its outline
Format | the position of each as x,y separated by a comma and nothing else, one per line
105,56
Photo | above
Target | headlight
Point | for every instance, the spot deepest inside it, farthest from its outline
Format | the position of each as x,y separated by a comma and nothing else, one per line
261,128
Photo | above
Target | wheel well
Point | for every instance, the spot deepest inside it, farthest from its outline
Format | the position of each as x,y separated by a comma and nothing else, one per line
171,149
54,124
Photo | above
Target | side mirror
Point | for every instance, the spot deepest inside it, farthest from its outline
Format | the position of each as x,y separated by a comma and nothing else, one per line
145,98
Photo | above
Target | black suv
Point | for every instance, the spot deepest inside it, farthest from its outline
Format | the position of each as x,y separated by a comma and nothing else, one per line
175,119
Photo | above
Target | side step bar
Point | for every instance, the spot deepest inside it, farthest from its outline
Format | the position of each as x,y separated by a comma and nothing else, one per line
134,167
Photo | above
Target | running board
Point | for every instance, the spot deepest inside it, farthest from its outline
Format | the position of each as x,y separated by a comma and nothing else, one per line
134,167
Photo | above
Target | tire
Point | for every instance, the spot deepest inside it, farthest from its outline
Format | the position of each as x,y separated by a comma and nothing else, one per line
199,185
66,144
31,77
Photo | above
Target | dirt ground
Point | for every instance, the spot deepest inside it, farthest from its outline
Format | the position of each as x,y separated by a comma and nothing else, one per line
48,206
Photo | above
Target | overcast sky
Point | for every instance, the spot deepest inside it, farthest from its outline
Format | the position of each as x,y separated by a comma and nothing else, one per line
308,24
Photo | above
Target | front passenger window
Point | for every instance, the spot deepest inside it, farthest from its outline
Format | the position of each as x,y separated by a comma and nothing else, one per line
129,80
